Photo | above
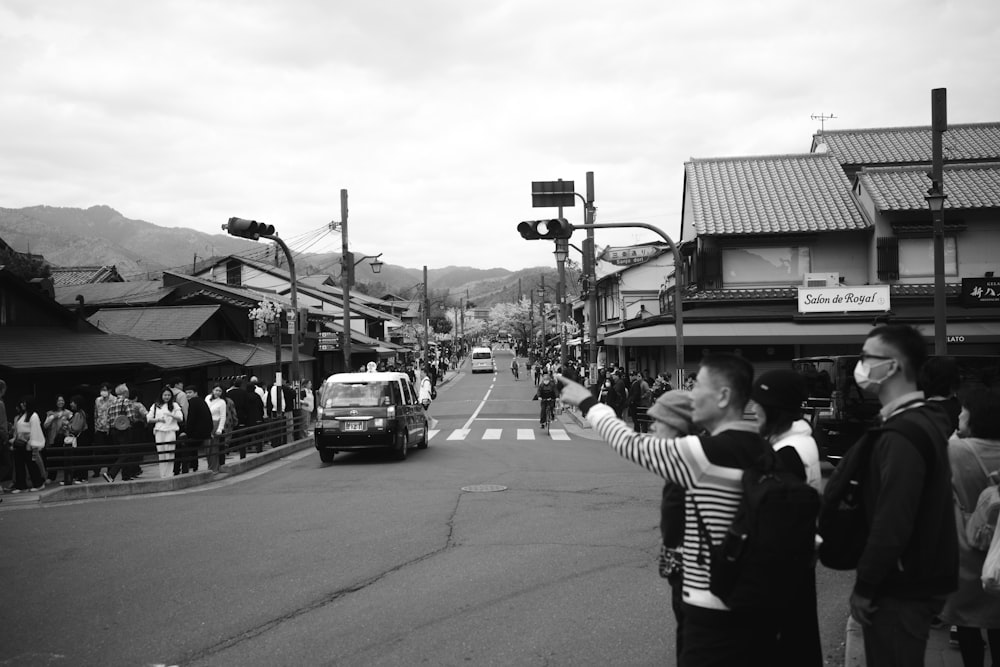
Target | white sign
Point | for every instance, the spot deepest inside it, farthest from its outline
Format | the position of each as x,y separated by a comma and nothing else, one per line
630,255
843,299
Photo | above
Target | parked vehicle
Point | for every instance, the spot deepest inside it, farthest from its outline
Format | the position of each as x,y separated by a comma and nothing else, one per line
358,411
840,412
482,360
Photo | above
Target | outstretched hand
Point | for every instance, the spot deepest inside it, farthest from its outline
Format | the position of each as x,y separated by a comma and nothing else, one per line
572,392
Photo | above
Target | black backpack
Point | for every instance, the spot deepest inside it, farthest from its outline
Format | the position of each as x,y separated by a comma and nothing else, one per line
770,545
843,521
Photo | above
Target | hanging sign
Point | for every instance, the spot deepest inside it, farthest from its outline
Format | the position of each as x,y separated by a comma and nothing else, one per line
627,256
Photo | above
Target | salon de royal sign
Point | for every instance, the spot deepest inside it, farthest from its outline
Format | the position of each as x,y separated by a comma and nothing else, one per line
843,299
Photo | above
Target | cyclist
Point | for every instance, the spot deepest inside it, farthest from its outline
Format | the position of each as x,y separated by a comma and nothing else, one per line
513,367
547,392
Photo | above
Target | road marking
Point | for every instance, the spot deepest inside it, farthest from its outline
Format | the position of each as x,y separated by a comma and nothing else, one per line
492,434
459,434
558,434
431,433
525,434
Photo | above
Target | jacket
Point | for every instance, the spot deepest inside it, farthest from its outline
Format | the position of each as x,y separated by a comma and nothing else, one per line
163,418
799,438
912,549
198,425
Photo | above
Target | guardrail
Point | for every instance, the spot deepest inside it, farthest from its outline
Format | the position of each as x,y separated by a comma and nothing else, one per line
138,448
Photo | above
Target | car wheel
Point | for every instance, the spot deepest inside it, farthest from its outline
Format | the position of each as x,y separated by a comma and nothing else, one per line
326,455
402,445
425,440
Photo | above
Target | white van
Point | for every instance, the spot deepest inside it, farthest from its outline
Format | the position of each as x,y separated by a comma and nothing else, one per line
482,360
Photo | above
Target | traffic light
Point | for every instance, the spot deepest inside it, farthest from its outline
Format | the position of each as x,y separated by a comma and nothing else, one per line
248,229
558,228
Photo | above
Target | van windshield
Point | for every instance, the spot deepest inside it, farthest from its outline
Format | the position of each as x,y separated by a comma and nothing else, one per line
355,394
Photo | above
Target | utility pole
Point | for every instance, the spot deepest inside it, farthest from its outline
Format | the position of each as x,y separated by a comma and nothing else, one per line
589,215
347,263
427,306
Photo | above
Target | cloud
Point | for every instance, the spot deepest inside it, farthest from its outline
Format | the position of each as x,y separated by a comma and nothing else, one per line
437,115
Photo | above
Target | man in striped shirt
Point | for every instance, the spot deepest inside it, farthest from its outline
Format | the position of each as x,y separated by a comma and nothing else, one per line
710,469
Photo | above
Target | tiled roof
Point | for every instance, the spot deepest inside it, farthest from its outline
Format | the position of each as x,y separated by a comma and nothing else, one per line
52,349
976,142
904,188
80,275
167,323
782,293
770,195
247,354
133,293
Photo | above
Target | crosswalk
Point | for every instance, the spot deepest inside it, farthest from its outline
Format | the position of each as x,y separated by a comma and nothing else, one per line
498,434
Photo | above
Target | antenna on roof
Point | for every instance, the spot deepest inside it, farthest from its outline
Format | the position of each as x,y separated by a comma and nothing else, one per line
822,120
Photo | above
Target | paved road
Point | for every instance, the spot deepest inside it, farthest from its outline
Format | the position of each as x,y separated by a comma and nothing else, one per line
365,561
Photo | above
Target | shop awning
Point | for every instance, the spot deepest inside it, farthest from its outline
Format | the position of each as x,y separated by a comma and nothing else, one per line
786,333
247,354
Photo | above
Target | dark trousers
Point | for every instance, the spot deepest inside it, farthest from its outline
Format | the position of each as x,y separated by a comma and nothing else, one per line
899,631
970,644
798,633
101,451
677,603
187,455
714,638
128,458
24,467
6,462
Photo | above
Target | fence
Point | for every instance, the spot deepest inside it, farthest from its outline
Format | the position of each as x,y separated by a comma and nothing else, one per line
138,447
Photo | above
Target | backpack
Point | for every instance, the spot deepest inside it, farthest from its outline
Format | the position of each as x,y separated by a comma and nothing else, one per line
232,419
843,521
434,393
771,541
981,523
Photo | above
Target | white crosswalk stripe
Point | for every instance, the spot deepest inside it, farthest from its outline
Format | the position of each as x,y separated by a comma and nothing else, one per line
497,434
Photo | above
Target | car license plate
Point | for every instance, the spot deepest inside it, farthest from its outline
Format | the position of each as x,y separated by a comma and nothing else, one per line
354,426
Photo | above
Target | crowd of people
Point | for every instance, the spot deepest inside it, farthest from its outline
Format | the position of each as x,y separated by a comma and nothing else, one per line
80,441
917,567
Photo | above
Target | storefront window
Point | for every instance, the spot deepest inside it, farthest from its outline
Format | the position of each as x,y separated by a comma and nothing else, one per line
916,257
764,265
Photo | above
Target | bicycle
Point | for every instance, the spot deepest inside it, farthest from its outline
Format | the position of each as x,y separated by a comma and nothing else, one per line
514,370
549,411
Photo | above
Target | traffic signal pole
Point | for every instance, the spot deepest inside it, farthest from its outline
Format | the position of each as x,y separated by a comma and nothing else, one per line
347,264
588,221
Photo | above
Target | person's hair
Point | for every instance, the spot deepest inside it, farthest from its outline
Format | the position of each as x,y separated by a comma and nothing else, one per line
940,377
191,387
908,342
3,387
58,396
212,387
174,380
778,420
735,372
77,400
984,413
105,385
170,401
29,406
121,390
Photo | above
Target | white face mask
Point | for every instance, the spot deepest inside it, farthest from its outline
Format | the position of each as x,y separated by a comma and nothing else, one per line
862,373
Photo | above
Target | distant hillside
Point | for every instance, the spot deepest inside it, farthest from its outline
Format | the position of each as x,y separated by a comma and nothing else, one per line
101,236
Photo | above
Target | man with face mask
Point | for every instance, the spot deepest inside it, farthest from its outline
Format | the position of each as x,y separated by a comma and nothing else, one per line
910,562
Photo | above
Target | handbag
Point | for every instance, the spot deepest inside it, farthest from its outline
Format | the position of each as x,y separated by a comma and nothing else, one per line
122,423
70,441
991,567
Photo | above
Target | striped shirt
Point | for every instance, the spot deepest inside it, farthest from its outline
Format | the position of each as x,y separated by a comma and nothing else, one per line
709,468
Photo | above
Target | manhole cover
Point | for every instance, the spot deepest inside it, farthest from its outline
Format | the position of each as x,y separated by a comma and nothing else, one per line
484,488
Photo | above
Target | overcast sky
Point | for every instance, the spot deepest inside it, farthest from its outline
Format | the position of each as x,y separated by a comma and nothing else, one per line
436,115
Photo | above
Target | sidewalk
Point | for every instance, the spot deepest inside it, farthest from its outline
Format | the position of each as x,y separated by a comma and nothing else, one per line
940,653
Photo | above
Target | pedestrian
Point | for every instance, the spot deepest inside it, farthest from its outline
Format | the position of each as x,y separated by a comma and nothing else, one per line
973,451
28,439
547,393
536,369
425,393
54,427
6,459
513,367
74,472
239,394
639,399
709,468
777,398
217,405
619,393
197,431
671,418
176,385
262,395
910,562
102,444
121,432
142,433
165,416
280,403
307,403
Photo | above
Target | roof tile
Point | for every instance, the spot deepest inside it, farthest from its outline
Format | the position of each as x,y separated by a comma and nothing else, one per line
896,145
905,188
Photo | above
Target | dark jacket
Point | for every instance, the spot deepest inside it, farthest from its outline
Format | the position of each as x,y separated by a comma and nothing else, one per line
912,549
199,420
244,406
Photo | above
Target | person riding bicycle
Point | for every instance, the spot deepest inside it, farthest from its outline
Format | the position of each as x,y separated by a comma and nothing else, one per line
547,392
513,367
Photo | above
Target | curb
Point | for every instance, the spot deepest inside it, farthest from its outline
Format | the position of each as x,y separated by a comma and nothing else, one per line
176,483
854,651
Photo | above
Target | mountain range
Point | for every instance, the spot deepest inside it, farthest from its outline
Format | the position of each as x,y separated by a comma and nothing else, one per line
101,236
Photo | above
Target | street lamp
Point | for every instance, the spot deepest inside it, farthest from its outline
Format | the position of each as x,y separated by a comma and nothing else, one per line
935,202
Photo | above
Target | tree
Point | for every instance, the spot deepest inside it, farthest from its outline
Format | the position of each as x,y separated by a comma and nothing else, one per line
513,318
439,324
23,266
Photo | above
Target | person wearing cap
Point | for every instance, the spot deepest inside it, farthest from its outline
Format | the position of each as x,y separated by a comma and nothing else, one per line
777,398
670,417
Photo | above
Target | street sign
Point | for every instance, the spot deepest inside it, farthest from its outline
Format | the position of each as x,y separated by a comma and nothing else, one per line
631,255
328,346
551,194
979,292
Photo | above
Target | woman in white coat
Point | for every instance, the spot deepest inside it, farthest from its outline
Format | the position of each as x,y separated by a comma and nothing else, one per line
425,391
165,416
